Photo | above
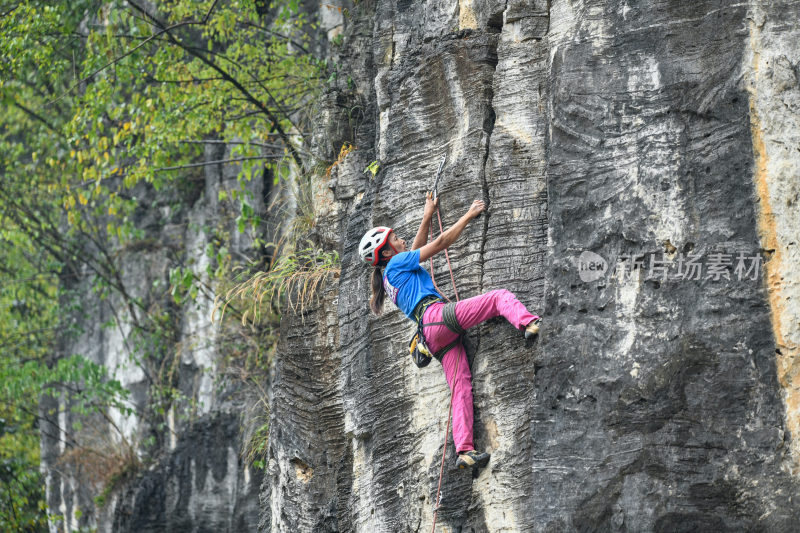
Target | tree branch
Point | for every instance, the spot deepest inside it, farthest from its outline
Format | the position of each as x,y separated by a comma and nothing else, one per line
233,81
219,161
36,116
132,50
270,32
221,141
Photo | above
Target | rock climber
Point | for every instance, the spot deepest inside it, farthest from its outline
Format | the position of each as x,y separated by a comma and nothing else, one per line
410,288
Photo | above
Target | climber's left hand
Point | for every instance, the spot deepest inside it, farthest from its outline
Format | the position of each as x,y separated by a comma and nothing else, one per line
430,205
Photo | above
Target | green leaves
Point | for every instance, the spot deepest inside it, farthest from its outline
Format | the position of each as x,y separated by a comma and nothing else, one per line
101,101
247,216
373,168
182,284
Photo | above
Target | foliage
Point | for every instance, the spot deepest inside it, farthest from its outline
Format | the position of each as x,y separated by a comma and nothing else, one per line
29,322
373,168
155,88
255,446
343,151
296,275
104,103
22,506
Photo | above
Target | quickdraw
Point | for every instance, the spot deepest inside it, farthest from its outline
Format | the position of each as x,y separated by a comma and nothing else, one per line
435,192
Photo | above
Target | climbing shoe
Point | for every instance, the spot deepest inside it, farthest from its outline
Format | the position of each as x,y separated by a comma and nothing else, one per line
532,328
472,459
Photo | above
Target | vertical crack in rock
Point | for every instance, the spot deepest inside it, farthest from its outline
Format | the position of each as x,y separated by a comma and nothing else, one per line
488,127
512,254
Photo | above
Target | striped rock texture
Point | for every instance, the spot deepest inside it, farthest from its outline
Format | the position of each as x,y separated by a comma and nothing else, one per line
640,163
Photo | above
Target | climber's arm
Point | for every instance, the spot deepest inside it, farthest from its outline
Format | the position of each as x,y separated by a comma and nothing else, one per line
424,226
451,234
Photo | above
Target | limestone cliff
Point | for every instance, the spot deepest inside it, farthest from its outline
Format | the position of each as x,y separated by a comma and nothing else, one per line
660,136
640,164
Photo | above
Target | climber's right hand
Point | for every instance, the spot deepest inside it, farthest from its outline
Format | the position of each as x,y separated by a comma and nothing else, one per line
477,207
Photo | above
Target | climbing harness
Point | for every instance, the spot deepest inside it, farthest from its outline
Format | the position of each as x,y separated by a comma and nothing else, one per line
418,348
448,320
420,353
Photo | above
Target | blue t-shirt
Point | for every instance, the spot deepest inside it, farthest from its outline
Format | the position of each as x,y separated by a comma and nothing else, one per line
406,282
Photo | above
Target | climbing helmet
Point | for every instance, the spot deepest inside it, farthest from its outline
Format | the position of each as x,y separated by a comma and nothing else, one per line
371,243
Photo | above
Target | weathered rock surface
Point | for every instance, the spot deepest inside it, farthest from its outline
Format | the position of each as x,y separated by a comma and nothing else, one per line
656,400
619,145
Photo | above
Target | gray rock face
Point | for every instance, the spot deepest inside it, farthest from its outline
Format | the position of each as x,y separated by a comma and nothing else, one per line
662,394
201,486
640,164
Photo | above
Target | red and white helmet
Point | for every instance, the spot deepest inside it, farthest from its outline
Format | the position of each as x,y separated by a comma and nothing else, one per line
371,243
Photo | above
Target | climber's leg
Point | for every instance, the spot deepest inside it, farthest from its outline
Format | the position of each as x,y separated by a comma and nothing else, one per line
473,311
459,378
460,382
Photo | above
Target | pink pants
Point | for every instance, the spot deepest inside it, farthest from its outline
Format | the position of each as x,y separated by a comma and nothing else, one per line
469,312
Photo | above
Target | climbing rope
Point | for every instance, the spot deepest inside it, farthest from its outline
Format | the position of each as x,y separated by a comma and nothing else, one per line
447,256
434,193
455,375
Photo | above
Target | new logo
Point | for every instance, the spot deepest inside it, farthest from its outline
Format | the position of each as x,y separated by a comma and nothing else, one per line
591,266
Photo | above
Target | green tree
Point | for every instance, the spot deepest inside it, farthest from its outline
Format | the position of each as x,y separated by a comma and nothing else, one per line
100,99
